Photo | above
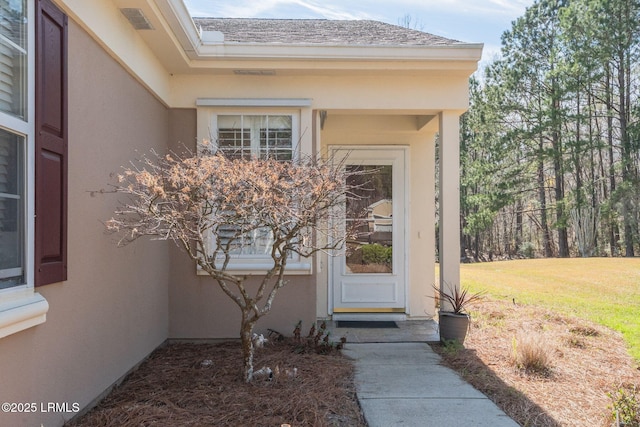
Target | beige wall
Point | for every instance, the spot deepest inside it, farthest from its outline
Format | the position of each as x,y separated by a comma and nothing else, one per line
383,92
113,310
200,310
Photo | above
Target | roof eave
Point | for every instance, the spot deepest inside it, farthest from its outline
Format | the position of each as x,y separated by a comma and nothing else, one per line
264,51
200,48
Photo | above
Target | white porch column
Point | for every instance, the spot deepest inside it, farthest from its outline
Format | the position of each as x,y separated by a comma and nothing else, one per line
449,198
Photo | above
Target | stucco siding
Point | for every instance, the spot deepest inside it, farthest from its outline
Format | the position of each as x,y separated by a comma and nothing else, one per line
200,310
113,310
358,91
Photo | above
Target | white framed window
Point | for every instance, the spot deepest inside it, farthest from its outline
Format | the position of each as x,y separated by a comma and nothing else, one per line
244,134
258,136
20,306
16,133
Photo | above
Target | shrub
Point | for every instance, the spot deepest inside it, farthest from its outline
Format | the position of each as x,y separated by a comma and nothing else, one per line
377,254
528,250
626,406
530,353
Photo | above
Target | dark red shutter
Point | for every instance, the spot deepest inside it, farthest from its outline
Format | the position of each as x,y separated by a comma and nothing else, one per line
51,144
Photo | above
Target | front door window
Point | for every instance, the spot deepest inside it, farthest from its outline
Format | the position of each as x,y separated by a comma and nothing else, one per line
369,220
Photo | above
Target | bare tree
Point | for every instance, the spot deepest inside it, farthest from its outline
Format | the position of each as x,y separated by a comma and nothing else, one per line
408,21
212,207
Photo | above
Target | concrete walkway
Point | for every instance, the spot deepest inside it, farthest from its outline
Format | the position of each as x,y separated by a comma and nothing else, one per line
404,384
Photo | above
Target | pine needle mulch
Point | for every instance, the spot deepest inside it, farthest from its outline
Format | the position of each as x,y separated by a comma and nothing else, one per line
586,363
186,384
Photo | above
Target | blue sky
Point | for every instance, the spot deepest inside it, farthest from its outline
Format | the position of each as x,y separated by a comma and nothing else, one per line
473,21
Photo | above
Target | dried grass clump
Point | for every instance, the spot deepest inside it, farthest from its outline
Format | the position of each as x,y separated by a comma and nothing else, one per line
585,331
530,353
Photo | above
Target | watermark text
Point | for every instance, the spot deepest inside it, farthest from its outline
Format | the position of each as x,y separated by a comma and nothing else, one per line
40,407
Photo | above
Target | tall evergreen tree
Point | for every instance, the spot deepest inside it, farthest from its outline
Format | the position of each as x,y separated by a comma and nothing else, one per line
561,110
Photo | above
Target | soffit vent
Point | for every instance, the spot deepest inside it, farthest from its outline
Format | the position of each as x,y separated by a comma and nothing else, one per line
255,72
137,18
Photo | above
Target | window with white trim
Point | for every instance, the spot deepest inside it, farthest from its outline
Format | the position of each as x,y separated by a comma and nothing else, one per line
244,135
14,129
260,136
20,306
255,136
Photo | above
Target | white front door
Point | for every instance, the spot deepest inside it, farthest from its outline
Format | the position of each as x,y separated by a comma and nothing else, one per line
369,274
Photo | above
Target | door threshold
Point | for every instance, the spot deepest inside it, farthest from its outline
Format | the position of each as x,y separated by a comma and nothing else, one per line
395,317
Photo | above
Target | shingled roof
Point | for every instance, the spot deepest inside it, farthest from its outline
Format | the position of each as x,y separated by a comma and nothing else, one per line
319,32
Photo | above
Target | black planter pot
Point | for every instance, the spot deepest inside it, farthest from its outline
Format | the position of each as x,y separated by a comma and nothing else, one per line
453,326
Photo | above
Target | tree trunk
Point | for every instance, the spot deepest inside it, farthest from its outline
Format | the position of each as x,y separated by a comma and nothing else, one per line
614,232
246,332
542,199
592,168
463,241
518,239
577,153
623,116
558,167
476,247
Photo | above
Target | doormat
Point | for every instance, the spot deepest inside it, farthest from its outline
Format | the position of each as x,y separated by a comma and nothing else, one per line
366,324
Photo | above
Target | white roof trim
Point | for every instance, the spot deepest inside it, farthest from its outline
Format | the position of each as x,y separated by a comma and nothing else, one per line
179,19
253,102
458,52
200,46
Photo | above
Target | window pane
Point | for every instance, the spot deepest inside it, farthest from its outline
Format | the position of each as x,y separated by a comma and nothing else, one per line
254,242
264,136
11,209
261,241
13,45
235,143
13,20
276,138
369,220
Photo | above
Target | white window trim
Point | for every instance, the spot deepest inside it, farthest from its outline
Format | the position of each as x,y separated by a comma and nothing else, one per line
207,126
20,306
21,309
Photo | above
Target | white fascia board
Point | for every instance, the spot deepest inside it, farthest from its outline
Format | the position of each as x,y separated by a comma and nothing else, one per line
254,102
460,52
180,22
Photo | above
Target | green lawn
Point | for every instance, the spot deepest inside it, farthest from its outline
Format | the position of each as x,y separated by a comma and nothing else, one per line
604,290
